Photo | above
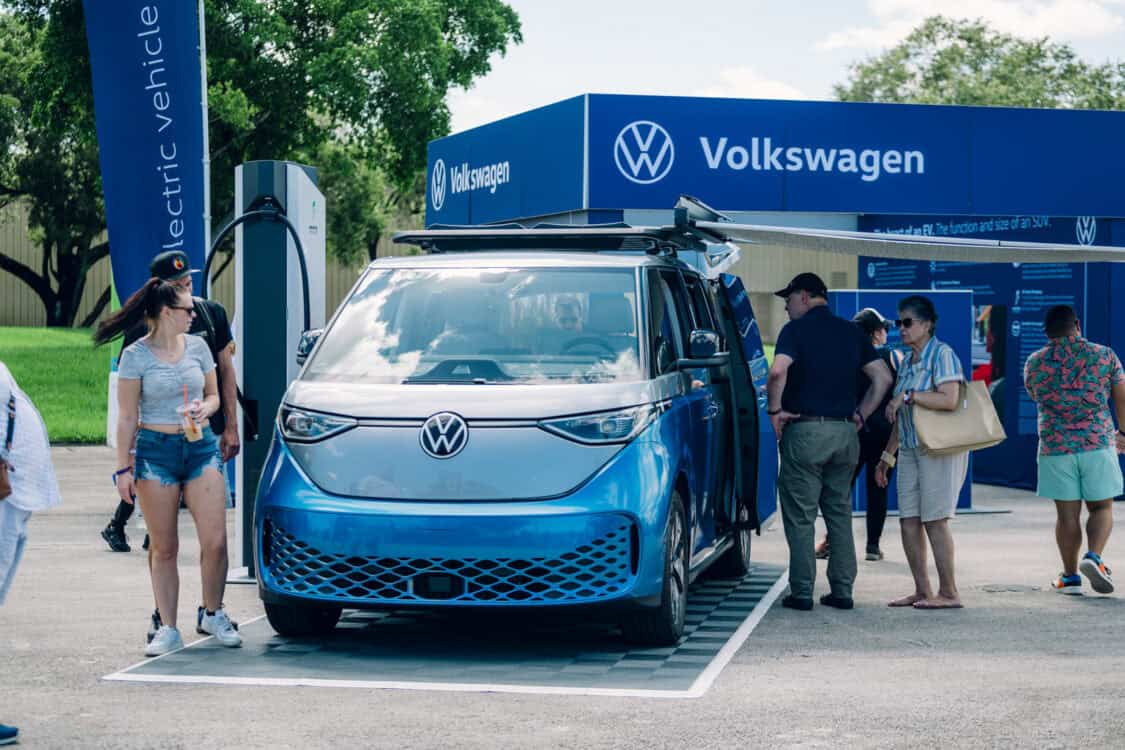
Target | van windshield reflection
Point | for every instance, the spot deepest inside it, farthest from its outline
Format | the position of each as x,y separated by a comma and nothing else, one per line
491,326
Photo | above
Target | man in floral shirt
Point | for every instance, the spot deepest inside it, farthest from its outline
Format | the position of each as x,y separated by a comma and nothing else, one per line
1072,381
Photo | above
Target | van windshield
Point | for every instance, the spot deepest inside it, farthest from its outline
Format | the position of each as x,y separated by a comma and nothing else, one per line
484,326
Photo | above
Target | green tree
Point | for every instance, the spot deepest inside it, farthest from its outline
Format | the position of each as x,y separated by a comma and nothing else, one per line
947,61
356,87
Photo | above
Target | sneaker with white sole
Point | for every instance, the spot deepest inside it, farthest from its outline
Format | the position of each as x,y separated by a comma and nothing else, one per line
220,626
166,640
1071,585
1098,572
154,624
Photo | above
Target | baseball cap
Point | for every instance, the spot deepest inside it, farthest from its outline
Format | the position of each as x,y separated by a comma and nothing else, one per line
870,320
171,265
806,282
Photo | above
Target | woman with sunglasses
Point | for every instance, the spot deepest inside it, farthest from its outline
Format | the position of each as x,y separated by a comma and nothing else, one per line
928,486
166,390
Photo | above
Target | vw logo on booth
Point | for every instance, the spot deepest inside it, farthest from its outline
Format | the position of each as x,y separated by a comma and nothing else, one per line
1086,229
437,185
444,435
643,152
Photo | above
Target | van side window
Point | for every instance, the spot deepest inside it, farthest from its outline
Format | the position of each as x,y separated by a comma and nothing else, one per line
675,283
700,304
666,344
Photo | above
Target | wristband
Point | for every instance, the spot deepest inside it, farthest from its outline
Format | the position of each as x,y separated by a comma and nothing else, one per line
119,472
773,412
1122,434
888,459
908,397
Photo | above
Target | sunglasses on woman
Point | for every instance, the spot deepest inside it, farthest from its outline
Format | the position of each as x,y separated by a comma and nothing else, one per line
179,307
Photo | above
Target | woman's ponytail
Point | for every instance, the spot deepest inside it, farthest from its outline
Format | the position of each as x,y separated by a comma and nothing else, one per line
145,303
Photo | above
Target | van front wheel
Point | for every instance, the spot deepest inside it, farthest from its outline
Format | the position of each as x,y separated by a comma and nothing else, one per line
664,625
296,621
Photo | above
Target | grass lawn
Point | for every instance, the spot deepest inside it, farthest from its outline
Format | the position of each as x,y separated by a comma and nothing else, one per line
64,375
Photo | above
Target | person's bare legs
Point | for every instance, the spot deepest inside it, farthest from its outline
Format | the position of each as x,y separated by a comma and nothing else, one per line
941,540
160,503
206,500
914,545
1068,533
1098,526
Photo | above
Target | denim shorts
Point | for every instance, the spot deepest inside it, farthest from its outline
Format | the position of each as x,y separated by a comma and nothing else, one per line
172,459
1092,476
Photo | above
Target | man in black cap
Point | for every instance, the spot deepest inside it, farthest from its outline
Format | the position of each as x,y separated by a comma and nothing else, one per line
211,323
812,385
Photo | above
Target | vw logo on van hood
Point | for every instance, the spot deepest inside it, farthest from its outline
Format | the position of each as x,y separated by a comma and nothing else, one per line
444,435
437,185
644,152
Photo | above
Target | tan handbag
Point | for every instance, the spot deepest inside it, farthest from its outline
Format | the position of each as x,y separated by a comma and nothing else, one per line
973,425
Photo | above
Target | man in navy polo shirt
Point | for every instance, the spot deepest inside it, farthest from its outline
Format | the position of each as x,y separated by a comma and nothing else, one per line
812,405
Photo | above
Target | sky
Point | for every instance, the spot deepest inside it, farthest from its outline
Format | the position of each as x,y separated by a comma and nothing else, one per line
746,49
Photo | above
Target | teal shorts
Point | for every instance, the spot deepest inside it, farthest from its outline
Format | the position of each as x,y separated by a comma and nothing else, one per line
1093,475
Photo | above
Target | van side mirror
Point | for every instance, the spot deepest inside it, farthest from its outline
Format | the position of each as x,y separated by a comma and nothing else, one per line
306,344
703,351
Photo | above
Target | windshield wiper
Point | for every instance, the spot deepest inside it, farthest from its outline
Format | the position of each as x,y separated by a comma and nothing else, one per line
448,381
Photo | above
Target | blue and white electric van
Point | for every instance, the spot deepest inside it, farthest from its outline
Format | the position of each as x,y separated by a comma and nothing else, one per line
519,417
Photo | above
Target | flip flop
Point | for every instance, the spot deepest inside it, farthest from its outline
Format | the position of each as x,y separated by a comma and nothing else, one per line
906,601
937,604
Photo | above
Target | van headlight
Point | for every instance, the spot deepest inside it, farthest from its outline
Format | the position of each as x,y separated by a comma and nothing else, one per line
618,426
303,426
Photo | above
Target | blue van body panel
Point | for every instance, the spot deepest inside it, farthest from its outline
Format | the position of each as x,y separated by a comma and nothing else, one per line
399,539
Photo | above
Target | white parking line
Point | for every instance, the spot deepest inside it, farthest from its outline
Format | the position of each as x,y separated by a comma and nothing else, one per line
697,689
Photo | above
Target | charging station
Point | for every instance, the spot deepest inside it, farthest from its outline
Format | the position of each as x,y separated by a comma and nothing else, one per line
279,293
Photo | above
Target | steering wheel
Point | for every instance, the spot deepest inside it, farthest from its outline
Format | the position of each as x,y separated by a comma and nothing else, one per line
595,341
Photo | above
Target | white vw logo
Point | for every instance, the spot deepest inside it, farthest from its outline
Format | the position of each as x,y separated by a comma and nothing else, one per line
437,185
1086,228
444,435
643,152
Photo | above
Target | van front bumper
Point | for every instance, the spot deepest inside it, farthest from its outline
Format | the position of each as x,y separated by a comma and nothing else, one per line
601,543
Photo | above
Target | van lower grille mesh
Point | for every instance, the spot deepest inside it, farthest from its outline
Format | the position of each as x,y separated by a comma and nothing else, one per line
602,568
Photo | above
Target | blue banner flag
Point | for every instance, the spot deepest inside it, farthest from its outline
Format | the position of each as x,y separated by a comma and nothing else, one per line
148,104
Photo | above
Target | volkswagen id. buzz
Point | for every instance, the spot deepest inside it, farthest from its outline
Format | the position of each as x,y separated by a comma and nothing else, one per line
518,417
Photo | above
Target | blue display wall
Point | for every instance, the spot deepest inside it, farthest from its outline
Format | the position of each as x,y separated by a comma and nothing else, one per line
1009,302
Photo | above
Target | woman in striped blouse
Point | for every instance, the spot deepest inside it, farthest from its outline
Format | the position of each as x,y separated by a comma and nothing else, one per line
928,485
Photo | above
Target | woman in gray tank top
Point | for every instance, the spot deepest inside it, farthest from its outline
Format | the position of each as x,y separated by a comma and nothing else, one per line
166,390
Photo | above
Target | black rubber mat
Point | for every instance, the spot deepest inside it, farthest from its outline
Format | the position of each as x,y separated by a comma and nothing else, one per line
536,649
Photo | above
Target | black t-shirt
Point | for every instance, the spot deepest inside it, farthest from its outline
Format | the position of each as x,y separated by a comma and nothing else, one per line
828,356
877,422
217,335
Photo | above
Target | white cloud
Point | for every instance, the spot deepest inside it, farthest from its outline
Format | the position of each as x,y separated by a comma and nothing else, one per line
747,83
468,109
1058,19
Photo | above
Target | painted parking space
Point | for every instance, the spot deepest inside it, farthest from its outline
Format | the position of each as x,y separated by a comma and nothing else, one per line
541,651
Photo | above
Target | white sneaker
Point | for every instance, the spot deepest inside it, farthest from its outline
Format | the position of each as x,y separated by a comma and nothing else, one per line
166,640
220,626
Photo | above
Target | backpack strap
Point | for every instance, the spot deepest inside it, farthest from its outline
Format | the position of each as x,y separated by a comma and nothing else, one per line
204,311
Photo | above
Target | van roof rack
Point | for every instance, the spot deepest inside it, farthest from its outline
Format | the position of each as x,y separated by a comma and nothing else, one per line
574,238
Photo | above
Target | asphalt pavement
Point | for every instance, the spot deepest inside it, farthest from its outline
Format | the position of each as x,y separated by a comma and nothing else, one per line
1020,666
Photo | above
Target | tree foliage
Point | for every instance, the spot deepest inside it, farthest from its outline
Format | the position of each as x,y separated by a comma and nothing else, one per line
946,61
355,87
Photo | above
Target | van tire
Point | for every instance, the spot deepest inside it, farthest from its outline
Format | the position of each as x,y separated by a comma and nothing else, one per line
301,620
735,562
663,625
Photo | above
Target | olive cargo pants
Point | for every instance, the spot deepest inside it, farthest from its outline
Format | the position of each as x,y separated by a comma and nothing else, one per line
817,462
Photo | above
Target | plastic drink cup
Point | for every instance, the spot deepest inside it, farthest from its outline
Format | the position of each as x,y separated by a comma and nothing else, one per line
192,430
